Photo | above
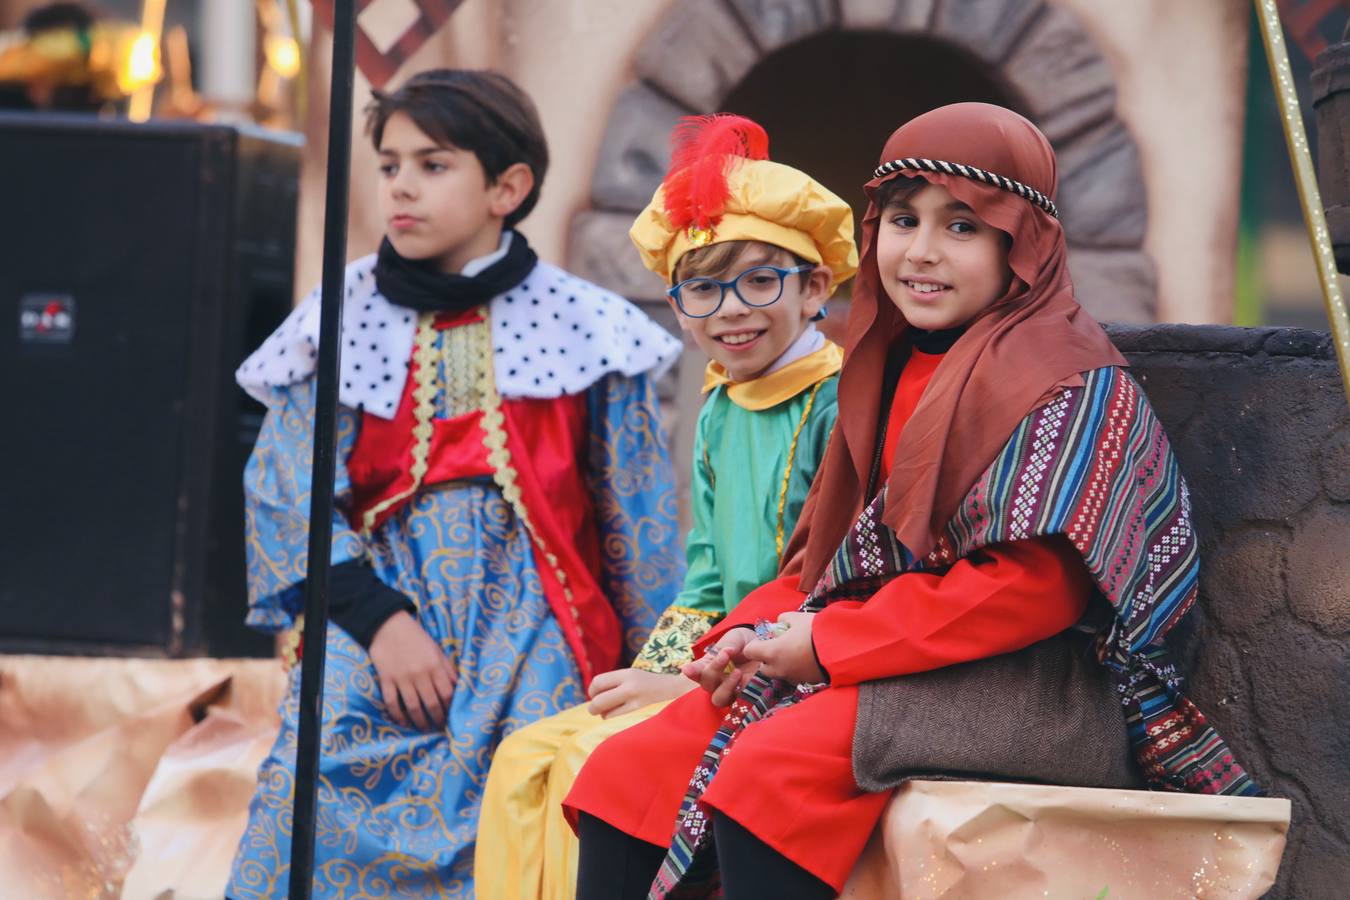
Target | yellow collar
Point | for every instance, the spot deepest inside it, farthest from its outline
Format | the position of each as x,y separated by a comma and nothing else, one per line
784,384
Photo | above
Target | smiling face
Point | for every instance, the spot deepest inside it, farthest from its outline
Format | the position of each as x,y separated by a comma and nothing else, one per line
939,262
437,202
746,340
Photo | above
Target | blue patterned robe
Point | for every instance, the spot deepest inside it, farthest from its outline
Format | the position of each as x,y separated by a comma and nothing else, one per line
398,808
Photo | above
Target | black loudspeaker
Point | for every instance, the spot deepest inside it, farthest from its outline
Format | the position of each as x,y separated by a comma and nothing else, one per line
138,266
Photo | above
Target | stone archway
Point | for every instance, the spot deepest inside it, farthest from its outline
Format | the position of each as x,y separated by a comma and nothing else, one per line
1038,53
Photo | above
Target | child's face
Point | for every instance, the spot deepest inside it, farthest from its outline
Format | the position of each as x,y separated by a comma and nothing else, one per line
939,262
746,340
436,201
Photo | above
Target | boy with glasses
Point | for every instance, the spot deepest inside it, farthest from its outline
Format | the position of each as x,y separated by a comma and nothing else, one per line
752,250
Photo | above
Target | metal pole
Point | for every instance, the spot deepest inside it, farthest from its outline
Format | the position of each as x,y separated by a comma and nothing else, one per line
325,451
1306,179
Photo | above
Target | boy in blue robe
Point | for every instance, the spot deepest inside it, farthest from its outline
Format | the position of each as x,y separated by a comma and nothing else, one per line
507,524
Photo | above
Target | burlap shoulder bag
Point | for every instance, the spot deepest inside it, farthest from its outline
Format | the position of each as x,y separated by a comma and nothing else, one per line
1048,713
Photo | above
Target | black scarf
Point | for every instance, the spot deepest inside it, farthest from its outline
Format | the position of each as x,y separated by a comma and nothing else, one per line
935,341
419,285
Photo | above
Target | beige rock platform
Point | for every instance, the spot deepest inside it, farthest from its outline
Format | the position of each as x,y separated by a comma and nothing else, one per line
969,840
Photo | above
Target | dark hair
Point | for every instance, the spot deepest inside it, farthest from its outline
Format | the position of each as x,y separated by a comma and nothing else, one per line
715,259
900,189
479,111
896,189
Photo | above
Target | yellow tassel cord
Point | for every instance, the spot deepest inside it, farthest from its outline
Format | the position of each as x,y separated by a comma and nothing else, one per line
787,471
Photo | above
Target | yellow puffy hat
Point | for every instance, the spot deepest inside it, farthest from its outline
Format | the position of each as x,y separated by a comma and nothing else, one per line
716,192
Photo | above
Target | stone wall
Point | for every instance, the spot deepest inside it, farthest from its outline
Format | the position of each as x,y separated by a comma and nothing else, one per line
1047,65
1260,423
1179,92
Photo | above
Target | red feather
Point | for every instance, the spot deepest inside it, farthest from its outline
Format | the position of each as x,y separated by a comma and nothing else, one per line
703,149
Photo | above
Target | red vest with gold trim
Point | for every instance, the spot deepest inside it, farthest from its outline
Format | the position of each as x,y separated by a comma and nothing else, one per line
535,450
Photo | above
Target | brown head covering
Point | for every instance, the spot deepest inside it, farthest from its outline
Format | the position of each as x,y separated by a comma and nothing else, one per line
1012,357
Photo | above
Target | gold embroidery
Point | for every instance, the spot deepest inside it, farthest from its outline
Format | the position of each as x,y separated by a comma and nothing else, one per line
424,408
290,643
504,474
671,643
462,352
787,471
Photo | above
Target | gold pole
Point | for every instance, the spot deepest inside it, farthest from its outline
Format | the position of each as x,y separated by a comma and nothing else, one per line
302,77
152,22
1306,179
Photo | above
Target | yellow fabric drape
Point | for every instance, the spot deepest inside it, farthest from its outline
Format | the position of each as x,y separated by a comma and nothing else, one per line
526,849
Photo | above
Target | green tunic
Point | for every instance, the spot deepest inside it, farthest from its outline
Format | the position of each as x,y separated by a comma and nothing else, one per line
743,513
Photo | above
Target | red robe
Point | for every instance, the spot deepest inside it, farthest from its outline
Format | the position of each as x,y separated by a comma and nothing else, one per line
547,439
789,779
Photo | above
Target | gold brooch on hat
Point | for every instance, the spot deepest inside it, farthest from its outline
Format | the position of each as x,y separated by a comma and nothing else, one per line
700,237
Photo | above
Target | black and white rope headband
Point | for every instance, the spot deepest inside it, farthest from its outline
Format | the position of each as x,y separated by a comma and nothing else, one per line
950,168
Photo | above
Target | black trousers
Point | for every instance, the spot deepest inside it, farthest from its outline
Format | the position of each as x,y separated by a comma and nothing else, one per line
613,865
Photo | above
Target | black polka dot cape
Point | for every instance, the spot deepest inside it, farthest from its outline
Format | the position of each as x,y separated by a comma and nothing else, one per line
553,334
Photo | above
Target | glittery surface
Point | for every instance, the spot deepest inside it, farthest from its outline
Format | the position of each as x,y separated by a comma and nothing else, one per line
965,839
127,777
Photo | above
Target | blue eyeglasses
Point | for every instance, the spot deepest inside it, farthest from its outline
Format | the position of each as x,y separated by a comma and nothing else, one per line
758,286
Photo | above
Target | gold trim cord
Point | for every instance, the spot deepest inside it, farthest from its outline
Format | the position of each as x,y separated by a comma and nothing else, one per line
424,409
290,643
504,475
787,469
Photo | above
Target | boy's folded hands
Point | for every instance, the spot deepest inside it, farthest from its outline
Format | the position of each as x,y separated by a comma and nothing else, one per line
782,650
790,654
724,669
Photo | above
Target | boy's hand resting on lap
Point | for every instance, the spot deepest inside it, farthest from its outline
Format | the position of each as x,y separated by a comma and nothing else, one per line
416,679
624,690
791,655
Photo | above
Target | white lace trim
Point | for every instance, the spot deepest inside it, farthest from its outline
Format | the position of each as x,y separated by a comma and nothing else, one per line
553,334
